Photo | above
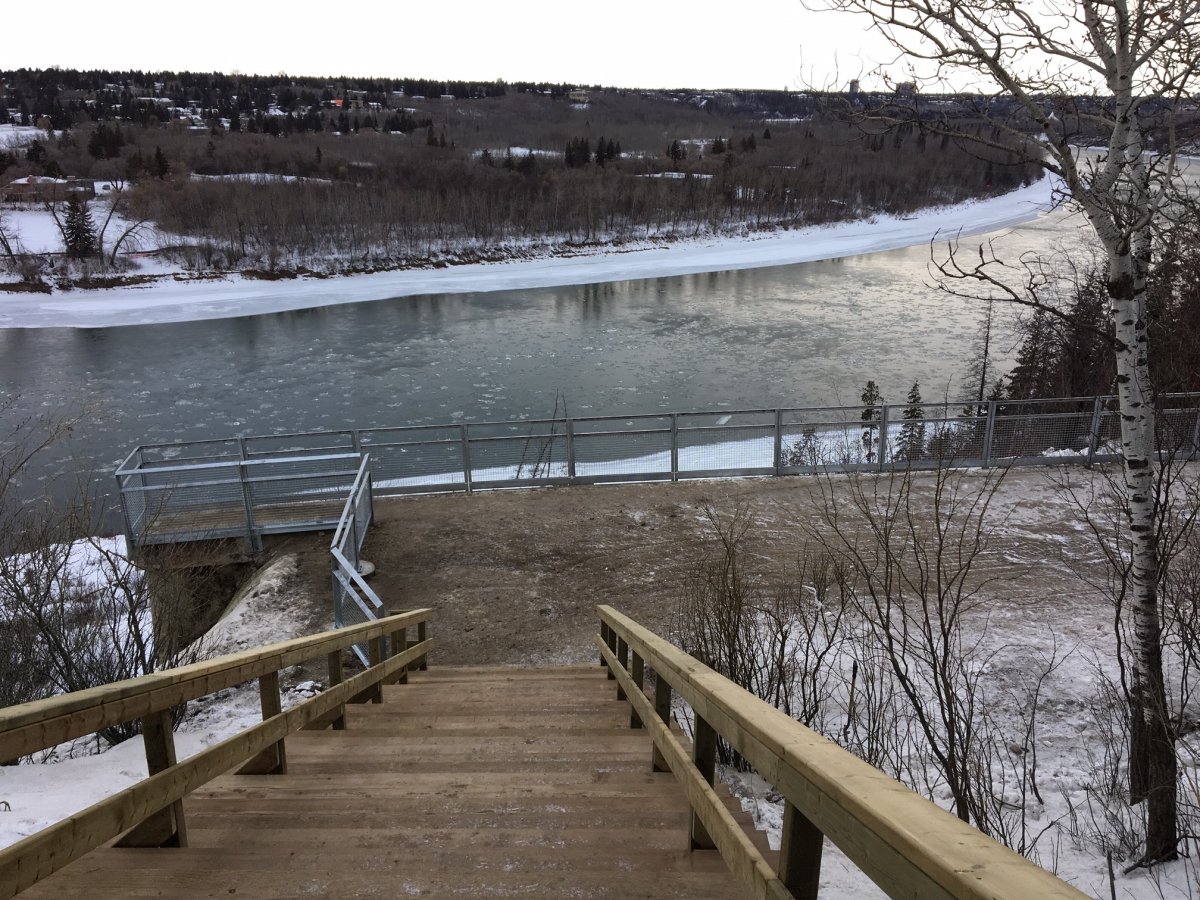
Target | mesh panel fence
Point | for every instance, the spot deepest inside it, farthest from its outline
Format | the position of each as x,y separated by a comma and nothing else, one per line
529,459
434,457
639,446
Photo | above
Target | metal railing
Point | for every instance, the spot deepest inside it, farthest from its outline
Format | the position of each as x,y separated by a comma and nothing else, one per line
206,497
473,456
353,600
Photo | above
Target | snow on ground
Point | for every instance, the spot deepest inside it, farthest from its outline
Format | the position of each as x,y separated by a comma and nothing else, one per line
13,136
169,301
33,230
262,178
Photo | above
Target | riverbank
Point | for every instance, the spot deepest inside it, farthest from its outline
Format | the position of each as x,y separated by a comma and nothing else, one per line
180,297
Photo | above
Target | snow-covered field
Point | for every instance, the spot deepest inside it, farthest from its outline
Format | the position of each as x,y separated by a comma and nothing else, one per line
171,301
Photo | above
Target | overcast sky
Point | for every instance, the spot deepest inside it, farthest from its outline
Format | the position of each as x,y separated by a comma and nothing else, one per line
705,44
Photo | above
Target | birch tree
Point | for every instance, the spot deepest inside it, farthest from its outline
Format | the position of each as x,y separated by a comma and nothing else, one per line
1119,75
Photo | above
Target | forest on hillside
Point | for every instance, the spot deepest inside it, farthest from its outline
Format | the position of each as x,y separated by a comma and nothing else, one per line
250,174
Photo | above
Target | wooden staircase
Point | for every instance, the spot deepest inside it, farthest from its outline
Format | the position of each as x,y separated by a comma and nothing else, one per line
464,782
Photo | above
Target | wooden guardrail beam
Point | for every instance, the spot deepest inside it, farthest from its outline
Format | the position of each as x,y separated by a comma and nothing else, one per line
29,727
907,845
40,854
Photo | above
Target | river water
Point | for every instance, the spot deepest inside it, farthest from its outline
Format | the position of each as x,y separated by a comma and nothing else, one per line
799,335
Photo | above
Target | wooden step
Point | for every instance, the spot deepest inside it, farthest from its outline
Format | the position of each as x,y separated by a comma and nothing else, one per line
464,782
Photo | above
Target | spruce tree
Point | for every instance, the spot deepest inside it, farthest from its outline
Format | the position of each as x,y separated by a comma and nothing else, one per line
79,231
912,433
160,168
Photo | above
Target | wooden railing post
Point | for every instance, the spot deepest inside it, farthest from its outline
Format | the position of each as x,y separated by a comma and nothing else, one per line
623,659
662,708
417,664
165,828
422,635
604,637
399,645
374,657
272,760
336,676
704,754
611,640
639,679
800,854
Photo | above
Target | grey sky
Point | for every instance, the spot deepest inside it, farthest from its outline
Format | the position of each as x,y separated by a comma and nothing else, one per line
732,43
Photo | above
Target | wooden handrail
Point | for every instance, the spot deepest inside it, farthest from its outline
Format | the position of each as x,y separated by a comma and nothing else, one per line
30,727
152,808
907,845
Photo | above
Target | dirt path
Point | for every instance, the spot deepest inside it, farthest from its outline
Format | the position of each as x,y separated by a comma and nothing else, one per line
514,576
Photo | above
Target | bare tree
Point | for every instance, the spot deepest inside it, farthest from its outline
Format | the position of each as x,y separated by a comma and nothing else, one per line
1121,75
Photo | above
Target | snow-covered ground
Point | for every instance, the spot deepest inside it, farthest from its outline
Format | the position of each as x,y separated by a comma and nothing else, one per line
171,301
13,136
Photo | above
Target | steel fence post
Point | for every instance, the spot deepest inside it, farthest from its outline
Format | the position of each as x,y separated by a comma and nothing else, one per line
779,442
989,430
129,539
466,455
1195,434
1094,433
370,497
883,436
674,447
252,538
242,449
571,450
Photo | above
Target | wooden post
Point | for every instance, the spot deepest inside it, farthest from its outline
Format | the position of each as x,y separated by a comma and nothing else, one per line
272,760
604,637
639,678
704,754
375,658
611,640
399,645
165,828
423,635
623,659
662,707
336,676
800,854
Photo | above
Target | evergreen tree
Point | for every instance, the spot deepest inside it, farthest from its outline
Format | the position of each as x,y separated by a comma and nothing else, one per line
872,401
912,433
160,168
79,231
766,134
676,152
